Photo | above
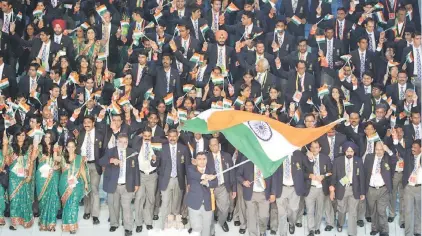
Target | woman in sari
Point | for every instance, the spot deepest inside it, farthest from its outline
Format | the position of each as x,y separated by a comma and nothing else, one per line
92,47
47,184
20,157
4,178
74,184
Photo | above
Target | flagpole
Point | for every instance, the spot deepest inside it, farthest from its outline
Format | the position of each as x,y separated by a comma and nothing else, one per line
233,167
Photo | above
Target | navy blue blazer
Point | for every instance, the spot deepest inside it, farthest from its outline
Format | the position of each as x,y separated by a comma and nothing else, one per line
163,162
246,172
227,162
111,172
409,162
388,164
325,167
358,182
301,169
199,194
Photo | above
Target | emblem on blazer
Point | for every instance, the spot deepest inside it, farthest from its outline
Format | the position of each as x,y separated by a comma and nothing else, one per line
338,52
133,163
310,87
182,159
370,65
100,144
348,35
297,166
261,129
310,66
301,9
325,168
387,167
340,149
357,170
287,47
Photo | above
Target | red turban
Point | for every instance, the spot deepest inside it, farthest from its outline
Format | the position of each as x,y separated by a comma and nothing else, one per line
60,22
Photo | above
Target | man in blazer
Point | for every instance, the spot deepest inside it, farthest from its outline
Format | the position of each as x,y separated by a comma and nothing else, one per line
6,71
257,192
348,187
90,146
112,132
362,54
413,130
397,91
145,197
64,41
106,32
219,54
341,26
43,49
199,197
379,184
219,161
300,9
121,181
412,185
172,164
186,44
331,143
411,67
141,75
291,184
284,42
318,190
195,22
245,29
167,79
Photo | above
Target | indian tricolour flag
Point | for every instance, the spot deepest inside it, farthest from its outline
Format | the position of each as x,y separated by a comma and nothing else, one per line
296,20
182,114
187,88
102,56
74,77
119,82
379,6
19,16
40,71
37,12
328,17
320,39
217,80
346,58
156,146
373,138
34,132
347,103
380,17
4,83
227,104
195,58
101,10
85,26
323,91
114,108
232,8
264,141
24,107
157,16
409,57
204,28
148,93
168,99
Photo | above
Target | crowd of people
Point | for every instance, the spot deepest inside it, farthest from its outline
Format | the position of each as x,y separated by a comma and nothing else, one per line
97,91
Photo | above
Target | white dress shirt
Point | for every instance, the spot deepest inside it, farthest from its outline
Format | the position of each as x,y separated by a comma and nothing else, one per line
316,172
199,145
44,61
417,127
84,145
418,172
145,165
350,174
376,178
415,57
1,70
256,186
58,38
289,180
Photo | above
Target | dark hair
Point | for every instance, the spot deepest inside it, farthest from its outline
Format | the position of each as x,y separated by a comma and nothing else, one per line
66,152
122,135
417,141
46,31
242,88
55,69
45,145
36,65
309,115
172,131
38,118
92,118
369,123
249,14
329,28
147,129
250,71
342,9
15,147
362,38
195,8
317,142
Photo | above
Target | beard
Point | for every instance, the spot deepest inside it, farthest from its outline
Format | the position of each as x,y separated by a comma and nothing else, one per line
221,43
349,156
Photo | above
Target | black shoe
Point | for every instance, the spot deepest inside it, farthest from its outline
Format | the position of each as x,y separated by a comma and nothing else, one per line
95,220
317,231
73,232
184,221
190,230
291,229
12,228
299,225
215,218
108,219
225,227
339,229
242,231
386,234
113,228
268,227
87,216
373,233
138,229
128,233
390,219
273,232
229,217
36,215
59,216
311,233
417,234
402,226
149,227
328,228
155,217
237,223
368,219
360,223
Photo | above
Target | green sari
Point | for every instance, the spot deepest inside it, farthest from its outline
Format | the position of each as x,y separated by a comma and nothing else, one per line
47,186
21,193
71,196
2,191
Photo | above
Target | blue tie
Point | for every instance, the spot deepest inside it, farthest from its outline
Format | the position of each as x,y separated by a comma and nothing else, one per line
173,162
287,168
217,168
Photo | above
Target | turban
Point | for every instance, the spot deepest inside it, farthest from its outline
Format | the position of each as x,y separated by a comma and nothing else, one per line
221,33
348,145
60,22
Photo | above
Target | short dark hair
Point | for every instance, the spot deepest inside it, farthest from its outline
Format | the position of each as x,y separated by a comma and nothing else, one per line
92,118
417,141
122,135
147,129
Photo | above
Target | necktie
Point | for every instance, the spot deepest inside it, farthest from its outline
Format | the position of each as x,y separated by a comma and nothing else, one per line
330,54
185,46
220,56
33,84
168,81
22,116
66,135
348,167
415,165
173,162
378,169
287,168
57,40
217,168
332,149
362,64
294,5
417,133
341,30
258,178
370,46
195,26
280,40
316,166
214,25
370,147
138,80
6,24
55,110
121,158
418,64
401,93
391,4
54,3
88,146
146,151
